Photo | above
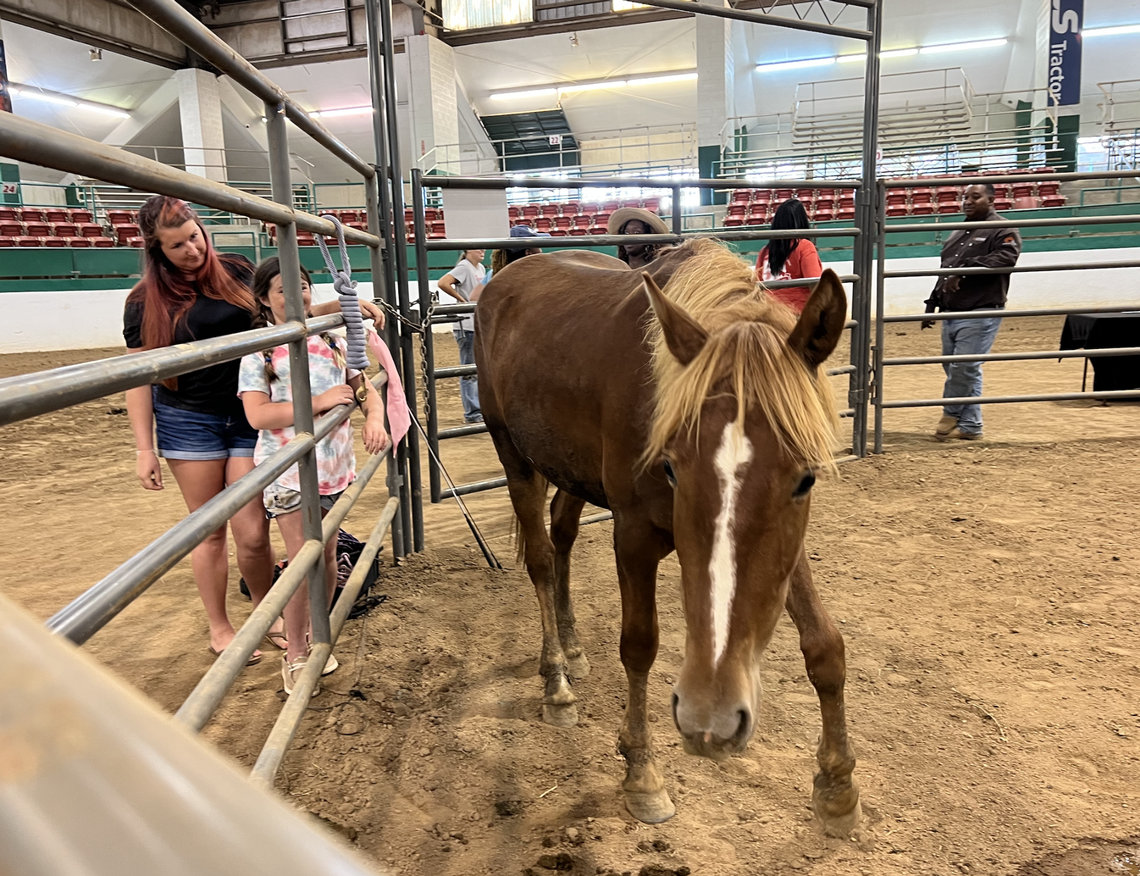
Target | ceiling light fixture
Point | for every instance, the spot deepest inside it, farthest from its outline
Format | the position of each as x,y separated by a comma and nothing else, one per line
604,85
890,53
19,90
1110,31
795,65
96,54
955,47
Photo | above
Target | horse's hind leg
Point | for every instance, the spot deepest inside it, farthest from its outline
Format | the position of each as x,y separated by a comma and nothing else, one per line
528,496
835,797
565,514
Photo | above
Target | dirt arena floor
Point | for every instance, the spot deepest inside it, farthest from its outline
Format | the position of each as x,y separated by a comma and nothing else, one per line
989,594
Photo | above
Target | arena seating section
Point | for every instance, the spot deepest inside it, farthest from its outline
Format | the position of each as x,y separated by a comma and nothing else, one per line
756,206
51,226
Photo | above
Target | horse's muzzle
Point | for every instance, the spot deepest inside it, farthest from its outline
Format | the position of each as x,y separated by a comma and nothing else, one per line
714,733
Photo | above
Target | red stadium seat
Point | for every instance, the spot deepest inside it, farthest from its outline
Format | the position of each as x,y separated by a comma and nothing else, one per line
37,229
514,212
28,241
737,210
742,196
136,242
65,229
733,221
571,208
1047,189
543,224
949,207
805,195
9,214
550,211
7,241
120,217
81,216
921,196
53,242
559,232
1003,204
921,209
947,195
577,232
11,228
530,211
54,216
1053,201
583,220
824,214
602,217
124,232
652,204
892,210
598,229
78,242
519,221
31,214
101,242
562,223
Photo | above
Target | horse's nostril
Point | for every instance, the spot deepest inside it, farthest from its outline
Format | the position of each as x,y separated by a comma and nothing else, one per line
745,725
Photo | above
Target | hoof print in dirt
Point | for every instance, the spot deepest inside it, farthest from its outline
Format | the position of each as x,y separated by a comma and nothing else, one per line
657,845
561,861
508,808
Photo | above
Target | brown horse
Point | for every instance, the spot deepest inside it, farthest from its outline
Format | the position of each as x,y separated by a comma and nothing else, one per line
698,415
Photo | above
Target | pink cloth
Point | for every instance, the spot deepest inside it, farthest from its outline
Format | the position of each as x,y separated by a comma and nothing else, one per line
399,417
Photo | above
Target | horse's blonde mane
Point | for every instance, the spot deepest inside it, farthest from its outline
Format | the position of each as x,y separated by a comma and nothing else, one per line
746,353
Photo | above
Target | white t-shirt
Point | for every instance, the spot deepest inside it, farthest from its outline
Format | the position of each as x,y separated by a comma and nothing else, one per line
467,277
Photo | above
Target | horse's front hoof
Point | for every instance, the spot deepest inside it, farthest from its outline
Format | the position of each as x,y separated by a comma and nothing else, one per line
578,666
650,808
560,715
838,811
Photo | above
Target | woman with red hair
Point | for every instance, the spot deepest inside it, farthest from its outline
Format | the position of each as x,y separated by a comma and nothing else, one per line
190,292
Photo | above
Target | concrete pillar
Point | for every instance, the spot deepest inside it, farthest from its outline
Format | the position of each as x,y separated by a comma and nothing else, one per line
433,112
200,107
714,92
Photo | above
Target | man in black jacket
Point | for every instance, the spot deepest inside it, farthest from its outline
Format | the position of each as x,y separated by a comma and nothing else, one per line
984,248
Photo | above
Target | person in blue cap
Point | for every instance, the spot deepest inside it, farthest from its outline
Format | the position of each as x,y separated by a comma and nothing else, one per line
503,257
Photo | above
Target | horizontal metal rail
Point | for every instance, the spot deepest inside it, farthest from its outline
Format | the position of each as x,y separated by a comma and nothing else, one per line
455,371
598,240
30,395
1009,314
476,487
289,720
842,369
804,281
975,179
1010,399
1058,222
180,24
1095,353
213,686
628,182
1020,269
461,431
45,146
760,18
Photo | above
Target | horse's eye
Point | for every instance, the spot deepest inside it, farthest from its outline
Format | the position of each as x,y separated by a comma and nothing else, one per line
805,485
669,476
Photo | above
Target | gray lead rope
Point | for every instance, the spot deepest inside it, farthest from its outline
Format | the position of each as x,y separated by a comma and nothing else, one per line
345,288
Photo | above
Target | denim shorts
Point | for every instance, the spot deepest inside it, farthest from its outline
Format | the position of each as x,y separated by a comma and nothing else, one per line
282,500
183,434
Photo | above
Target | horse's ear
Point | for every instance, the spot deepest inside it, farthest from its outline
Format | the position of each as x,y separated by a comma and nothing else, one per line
683,335
816,334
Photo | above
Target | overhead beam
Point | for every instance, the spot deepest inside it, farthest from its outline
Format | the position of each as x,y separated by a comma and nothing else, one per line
694,8
100,24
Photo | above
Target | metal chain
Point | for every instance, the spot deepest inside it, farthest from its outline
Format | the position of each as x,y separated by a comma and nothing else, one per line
424,364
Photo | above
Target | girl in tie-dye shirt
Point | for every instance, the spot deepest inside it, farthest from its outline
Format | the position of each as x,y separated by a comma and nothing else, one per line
266,393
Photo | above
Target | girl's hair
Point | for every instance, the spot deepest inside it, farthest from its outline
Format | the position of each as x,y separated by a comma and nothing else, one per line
790,214
165,292
263,316
500,258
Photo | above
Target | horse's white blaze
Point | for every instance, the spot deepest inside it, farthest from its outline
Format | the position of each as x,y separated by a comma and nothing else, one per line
734,453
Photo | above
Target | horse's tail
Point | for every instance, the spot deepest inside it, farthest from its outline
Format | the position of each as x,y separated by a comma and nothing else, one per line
520,539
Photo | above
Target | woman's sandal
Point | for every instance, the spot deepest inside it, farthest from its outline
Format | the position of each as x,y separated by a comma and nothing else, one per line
253,660
277,639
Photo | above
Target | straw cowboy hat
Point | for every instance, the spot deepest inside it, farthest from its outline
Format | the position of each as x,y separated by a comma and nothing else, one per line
652,221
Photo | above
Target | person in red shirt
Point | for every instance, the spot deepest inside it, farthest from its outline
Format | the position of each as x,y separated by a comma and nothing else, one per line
789,258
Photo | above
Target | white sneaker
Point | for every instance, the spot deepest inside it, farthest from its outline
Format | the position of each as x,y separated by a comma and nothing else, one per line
290,672
331,665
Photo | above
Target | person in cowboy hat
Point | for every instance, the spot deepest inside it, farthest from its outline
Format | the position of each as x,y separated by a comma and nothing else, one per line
635,220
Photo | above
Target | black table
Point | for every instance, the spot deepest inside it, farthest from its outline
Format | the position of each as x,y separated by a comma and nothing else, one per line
1099,331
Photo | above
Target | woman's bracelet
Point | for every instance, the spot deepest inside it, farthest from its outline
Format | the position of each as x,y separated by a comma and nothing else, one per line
140,452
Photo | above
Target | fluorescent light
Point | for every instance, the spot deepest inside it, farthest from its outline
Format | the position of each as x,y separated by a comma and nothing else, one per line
605,85
593,86
954,47
1111,31
671,77
64,100
795,65
534,92
344,111
847,59
899,53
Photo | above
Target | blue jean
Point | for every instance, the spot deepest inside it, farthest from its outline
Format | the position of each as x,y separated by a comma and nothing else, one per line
966,337
468,386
